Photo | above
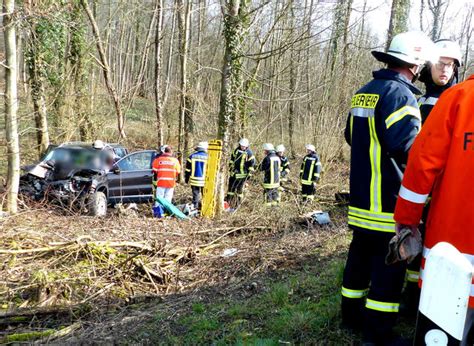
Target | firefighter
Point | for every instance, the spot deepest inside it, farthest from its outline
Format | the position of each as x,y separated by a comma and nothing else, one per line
195,173
166,169
440,162
437,78
242,166
309,173
271,166
382,124
285,164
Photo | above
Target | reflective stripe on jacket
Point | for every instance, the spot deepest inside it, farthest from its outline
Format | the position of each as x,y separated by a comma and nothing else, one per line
271,167
242,162
382,124
196,165
165,171
310,169
441,162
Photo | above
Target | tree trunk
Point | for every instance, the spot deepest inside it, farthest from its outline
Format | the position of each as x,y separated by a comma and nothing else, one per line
235,12
398,19
185,116
437,9
40,113
106,70
158,91
11,107
76,56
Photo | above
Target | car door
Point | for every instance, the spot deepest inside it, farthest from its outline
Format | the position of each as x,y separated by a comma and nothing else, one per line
131,178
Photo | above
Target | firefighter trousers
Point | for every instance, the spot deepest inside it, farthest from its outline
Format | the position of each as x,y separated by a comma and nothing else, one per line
308,192
197,196
371,289
235,191
271,196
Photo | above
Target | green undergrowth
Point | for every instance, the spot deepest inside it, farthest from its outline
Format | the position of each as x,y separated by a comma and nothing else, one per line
298,308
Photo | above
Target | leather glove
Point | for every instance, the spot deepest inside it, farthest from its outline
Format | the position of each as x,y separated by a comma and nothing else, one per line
405,245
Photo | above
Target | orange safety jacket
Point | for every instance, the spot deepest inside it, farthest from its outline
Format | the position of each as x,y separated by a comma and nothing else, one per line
165,170
442,161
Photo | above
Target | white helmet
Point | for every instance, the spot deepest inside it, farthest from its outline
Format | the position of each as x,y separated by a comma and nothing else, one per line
310,147
280,148
202,145
412,47
449,49
268,147
98,144
244,142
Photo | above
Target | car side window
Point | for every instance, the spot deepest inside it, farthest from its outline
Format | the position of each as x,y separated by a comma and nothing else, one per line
136,161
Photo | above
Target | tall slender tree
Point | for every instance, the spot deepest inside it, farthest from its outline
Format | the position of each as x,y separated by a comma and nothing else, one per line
235,15
11,106
106,69
158,67
398,18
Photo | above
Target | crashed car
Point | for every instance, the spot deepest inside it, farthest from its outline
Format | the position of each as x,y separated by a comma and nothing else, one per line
81,178
72,175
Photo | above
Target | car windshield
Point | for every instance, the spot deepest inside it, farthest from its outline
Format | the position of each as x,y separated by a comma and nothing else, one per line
77,157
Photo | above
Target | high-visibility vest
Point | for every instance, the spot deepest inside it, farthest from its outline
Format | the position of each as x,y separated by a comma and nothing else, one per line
165,171
196,165
442,161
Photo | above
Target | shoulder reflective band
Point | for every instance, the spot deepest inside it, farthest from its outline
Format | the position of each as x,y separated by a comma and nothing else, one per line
400,114
412,196
430,101
382,306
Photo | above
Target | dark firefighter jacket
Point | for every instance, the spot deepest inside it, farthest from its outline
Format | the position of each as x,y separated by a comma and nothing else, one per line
195,173
271,166
310,169
382,124
285,167
433,92
242,162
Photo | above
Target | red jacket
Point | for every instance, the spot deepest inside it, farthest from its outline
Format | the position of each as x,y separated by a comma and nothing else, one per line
442,161
165,171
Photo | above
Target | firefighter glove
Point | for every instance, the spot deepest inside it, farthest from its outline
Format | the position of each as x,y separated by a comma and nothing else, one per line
405,245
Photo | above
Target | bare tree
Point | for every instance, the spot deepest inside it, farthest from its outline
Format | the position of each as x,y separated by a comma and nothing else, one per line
105,69
398,18
11,106
235,12
438,10
158,92
185,116
467,32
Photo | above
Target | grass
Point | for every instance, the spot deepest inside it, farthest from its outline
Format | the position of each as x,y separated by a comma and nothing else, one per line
299,307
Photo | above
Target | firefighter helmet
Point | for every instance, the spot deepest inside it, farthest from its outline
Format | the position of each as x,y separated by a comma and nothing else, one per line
280,148
268,147
449,49
411,47
98,144
244,142
202,145
310,147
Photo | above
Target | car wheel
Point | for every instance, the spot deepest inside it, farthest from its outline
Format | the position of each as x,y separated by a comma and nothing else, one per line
98,204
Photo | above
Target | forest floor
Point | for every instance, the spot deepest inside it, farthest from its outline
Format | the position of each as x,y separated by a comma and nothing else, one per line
256,276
